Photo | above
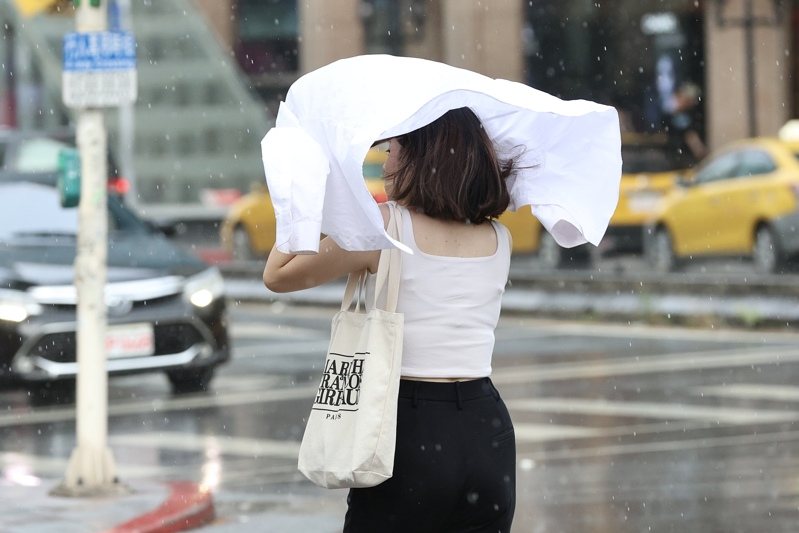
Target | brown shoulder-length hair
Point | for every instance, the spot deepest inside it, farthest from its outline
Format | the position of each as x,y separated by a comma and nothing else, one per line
450,169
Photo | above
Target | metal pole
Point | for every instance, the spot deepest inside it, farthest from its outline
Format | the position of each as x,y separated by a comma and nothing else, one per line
91,470
749,38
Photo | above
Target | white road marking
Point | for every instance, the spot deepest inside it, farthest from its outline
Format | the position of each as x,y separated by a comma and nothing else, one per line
752,391
163,405
664,446
50,466
268,330
549,432
625,366
643,331
655,410
517,374
275,349
212,445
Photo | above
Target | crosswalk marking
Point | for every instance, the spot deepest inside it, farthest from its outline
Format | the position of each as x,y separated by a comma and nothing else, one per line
267,330
214,444
751,391
163,405
276,349
663,446
655,410
55,466
643,331
549,432
650,364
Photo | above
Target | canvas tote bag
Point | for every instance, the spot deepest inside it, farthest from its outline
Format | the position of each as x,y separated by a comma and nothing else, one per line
350,436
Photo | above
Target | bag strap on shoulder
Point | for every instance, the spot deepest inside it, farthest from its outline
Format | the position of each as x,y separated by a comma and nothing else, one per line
388,270
390,265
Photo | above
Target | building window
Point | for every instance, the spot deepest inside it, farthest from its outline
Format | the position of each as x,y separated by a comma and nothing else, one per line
267,47
391,24
641,56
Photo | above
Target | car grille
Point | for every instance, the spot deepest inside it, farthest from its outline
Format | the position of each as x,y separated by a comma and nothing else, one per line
169,339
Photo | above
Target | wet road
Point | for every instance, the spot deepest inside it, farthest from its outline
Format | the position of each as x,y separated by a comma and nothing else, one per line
619,427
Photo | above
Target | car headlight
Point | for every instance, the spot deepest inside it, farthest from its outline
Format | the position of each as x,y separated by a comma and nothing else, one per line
16,306
201,290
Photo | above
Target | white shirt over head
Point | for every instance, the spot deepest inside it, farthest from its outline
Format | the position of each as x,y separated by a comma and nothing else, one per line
568,153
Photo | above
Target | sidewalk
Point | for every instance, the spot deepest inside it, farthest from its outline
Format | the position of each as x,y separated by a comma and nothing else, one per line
691,307
152,507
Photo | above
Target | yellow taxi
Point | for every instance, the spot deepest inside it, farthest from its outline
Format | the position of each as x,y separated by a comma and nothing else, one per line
248,230
742,200
648,175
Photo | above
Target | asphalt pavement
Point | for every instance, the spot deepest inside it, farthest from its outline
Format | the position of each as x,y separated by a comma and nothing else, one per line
146,507
596,451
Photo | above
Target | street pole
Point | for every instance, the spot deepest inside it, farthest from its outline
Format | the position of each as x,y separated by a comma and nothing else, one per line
749,37
91,470
748,22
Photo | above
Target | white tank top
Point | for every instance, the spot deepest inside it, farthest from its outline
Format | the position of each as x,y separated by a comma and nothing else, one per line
451,307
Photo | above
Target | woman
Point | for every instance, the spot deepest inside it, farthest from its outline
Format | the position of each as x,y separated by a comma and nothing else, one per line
454,467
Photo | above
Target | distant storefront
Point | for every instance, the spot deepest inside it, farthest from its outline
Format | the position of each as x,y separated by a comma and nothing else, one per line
645,57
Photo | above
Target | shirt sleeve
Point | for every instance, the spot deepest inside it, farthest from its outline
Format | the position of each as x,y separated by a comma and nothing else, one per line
296,170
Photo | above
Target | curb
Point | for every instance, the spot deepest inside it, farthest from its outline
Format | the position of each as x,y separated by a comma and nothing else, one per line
188,506
685,308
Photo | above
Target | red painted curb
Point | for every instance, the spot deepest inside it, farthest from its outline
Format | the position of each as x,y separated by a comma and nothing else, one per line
189,506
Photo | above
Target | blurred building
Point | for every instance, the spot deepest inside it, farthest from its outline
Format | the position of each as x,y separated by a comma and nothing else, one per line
675,70
667,65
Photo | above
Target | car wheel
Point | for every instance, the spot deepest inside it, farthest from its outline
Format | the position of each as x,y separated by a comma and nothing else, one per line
549,250
766,251
660,253
56,392
242,247
552,255
191,380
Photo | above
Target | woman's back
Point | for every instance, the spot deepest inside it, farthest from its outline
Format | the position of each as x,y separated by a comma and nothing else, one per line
450,293
452,239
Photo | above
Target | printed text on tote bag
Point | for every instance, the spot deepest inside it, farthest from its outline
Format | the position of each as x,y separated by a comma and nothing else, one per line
340,387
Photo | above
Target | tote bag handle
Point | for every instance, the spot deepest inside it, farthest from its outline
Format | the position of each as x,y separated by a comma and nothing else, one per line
388,270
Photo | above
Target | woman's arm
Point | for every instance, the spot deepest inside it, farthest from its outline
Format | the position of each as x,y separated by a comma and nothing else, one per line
289,272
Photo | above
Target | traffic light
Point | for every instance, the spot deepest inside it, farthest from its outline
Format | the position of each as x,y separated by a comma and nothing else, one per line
69,177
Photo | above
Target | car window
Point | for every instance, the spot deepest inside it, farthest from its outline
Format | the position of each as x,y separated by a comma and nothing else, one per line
30,209
755,162
722,167
637,159
18,200
38,155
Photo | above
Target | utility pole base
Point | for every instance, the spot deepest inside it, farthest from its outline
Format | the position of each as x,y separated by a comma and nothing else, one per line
91,473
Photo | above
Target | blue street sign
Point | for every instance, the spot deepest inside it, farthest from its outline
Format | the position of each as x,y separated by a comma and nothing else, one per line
99,51
99,69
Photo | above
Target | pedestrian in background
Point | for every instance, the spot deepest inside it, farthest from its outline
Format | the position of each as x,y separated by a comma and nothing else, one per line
454,467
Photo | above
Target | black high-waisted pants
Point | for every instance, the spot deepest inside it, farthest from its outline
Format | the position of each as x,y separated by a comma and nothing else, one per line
454,465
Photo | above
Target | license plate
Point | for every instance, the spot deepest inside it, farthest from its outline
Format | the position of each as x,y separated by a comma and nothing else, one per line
129,340
643,202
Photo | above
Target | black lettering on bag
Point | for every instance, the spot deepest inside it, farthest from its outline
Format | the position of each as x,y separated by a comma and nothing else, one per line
340,387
